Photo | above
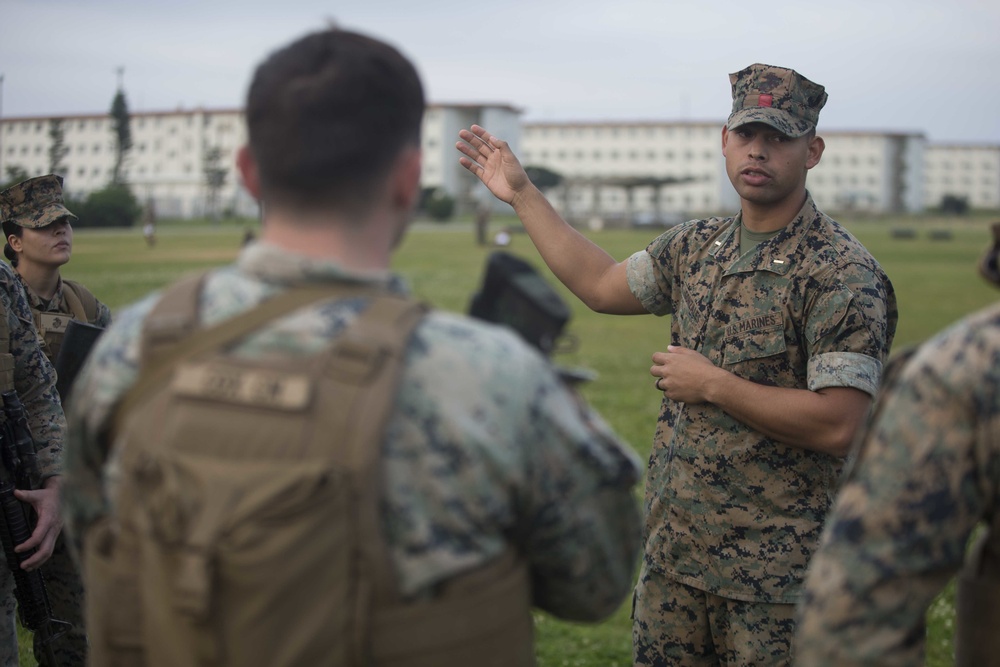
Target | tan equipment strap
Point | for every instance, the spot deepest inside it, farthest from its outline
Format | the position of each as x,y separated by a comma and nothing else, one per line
75,304
162,362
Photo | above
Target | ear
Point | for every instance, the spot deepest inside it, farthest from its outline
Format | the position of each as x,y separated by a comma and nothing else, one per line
816,148
247,166
15,242
405,184
725,139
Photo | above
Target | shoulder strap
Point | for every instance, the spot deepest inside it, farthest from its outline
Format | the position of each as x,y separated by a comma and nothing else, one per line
81,302
367,362
174,317
159,359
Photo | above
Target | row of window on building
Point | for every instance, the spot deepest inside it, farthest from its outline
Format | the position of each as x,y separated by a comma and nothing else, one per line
97,148
882,167
104,123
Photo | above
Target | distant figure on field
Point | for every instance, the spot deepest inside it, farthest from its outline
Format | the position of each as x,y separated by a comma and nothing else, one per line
149,223
502,238
149,233
483,215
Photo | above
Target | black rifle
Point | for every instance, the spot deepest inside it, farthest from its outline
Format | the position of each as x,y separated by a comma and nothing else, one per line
19,471
515,294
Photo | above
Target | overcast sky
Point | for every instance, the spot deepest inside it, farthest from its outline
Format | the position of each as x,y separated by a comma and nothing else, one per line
904,65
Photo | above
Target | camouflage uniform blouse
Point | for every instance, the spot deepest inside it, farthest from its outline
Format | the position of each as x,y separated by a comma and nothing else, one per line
34,377
927,473
729,510
58,304
486,445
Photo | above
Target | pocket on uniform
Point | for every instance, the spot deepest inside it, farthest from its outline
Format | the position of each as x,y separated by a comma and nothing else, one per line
757,342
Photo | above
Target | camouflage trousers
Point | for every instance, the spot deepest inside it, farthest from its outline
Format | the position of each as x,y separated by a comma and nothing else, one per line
8,614
65,590
676,624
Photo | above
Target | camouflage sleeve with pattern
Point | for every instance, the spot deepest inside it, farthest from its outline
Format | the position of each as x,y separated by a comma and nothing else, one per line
34,378
103,318
849,329
927,470
646,278
488,446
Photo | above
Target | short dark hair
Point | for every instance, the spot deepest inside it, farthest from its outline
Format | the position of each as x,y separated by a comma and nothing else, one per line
327,115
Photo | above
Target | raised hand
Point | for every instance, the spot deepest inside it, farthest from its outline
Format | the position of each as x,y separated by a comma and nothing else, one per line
492,161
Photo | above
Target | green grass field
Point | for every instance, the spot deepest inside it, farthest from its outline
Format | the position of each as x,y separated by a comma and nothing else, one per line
936,282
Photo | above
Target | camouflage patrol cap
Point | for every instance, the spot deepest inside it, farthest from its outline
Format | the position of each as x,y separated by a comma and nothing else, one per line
776,96
34,203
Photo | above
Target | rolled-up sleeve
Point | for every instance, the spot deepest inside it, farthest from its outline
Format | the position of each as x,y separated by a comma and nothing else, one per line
849,329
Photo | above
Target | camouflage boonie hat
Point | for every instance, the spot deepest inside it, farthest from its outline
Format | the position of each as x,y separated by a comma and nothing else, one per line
776,96
34,203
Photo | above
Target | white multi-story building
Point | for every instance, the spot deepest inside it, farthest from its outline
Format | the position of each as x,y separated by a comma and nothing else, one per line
167,162
873,172
440,159
612,171
966,171
619,170
165,166
674,170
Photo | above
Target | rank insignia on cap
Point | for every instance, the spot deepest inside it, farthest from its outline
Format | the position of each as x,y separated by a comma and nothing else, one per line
776,96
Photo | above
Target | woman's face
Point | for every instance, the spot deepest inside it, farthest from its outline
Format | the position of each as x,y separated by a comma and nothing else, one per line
51,245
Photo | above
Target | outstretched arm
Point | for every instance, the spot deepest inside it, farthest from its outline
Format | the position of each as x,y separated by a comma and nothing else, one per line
587,270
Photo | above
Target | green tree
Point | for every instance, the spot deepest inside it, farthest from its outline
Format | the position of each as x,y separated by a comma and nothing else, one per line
215,179
112,206
542,177
122,127
57,146
439,205
15,174
954,204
